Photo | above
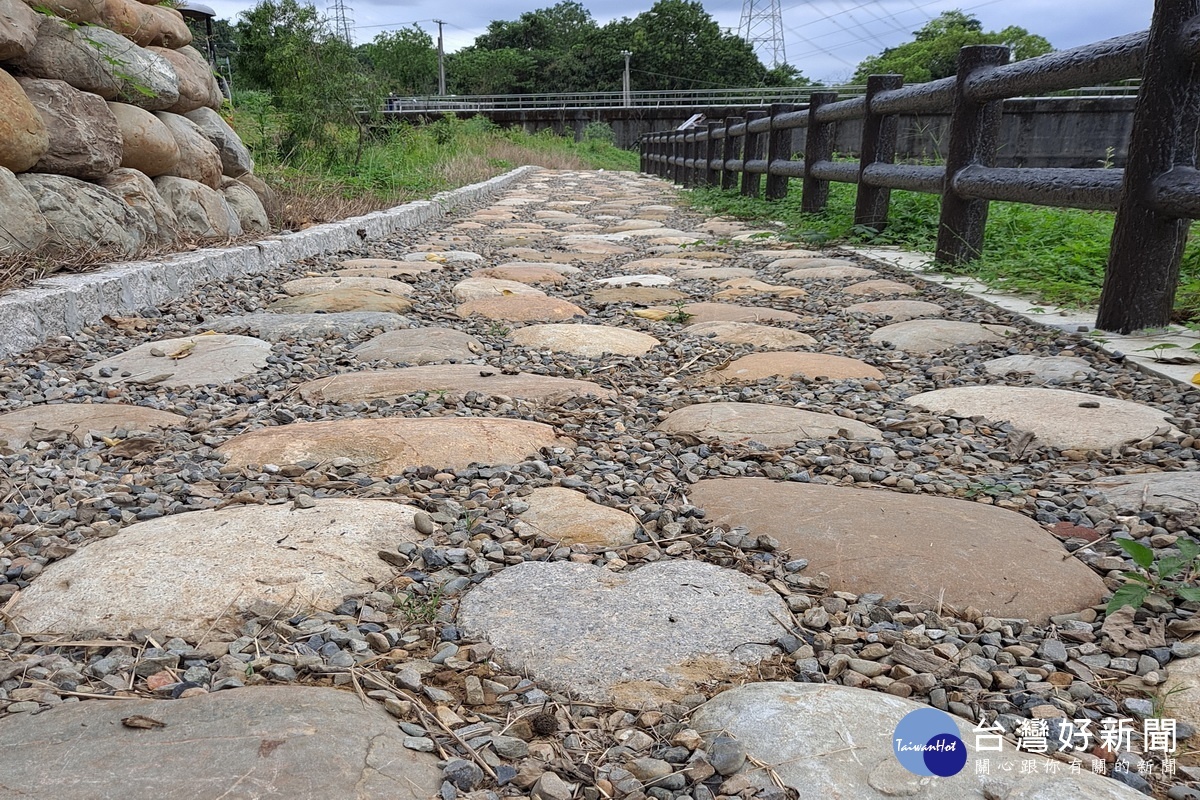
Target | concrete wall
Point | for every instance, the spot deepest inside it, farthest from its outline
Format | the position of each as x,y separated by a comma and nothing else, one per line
1037,132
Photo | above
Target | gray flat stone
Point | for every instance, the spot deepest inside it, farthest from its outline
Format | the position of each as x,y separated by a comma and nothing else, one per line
274,327
77,419
443,256
784,365
278,741
884,287
329,282
914,548
897,310
824,273
589,341
813,262
179,573
454,380
729,312
420,346
761,336
654,266
1175,493
636,280
1062,369
638,638
569,517
1055,416
190,361
773,426
827,741
936,335
714,273
389,446
524,273
480,288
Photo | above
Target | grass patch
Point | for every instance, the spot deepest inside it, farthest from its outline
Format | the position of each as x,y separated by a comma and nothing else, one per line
394,164
1055,255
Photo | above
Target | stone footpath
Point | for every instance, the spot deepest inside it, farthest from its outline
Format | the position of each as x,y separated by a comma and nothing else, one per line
582,495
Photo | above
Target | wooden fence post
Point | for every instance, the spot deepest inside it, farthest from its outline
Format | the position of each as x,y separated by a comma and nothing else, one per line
1147,245
678,152
751,181
711,174
779,148
818,146
730,153
878,147
693,147
974,132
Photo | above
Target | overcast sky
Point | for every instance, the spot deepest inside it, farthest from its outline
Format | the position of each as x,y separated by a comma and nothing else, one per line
825,39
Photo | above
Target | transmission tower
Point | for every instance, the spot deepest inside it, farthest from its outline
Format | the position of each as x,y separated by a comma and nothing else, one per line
340,17
762,28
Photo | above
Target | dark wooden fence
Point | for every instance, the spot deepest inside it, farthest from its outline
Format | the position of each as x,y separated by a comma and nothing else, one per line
1155,196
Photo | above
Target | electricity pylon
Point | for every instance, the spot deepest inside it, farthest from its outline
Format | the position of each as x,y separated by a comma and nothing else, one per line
342,21
762,28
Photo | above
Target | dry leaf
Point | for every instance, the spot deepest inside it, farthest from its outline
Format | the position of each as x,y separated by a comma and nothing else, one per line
128,323
184,351
1196,379
131,448
140,721
438,257
1123,631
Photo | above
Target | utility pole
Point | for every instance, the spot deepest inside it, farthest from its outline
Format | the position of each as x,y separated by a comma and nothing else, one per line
441,61
625,78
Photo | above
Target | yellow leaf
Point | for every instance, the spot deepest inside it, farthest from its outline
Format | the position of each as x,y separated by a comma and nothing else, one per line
207,333
439,258
184,351
1196,379
506,291
110,442
651,313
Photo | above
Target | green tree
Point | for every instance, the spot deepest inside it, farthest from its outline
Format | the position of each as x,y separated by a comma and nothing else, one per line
552,40
315,78
505,71
405,61
933,53
678,45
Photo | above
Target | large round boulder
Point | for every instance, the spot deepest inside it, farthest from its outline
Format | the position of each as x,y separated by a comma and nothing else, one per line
83,217
201,212
235,158
199,159
85,140
197,85
24,228
148,145
266,195
144,24
95,59
23,136
18,29
73,10
155,218
246,205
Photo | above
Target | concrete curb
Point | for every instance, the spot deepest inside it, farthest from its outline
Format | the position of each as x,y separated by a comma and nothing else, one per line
1078,323
60,306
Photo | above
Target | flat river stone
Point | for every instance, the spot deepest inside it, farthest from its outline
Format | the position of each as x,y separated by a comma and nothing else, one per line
913,548
773,426
420,346
523,273
480,288
830,741
879,287
1063,419
824,273
636,280
728,312
569,517
589,341
274,327
763,336
179,573
784,365
1175,493
330,282
277,741
455,380
898,310
936,335
1048,368
389,446
190,361
77,419
343,299
520,308
637,295
637,639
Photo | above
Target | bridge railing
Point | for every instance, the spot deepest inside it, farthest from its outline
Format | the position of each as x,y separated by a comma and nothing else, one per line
684,98
1155,196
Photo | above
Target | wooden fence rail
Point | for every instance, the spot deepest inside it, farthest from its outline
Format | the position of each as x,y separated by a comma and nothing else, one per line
1155,196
